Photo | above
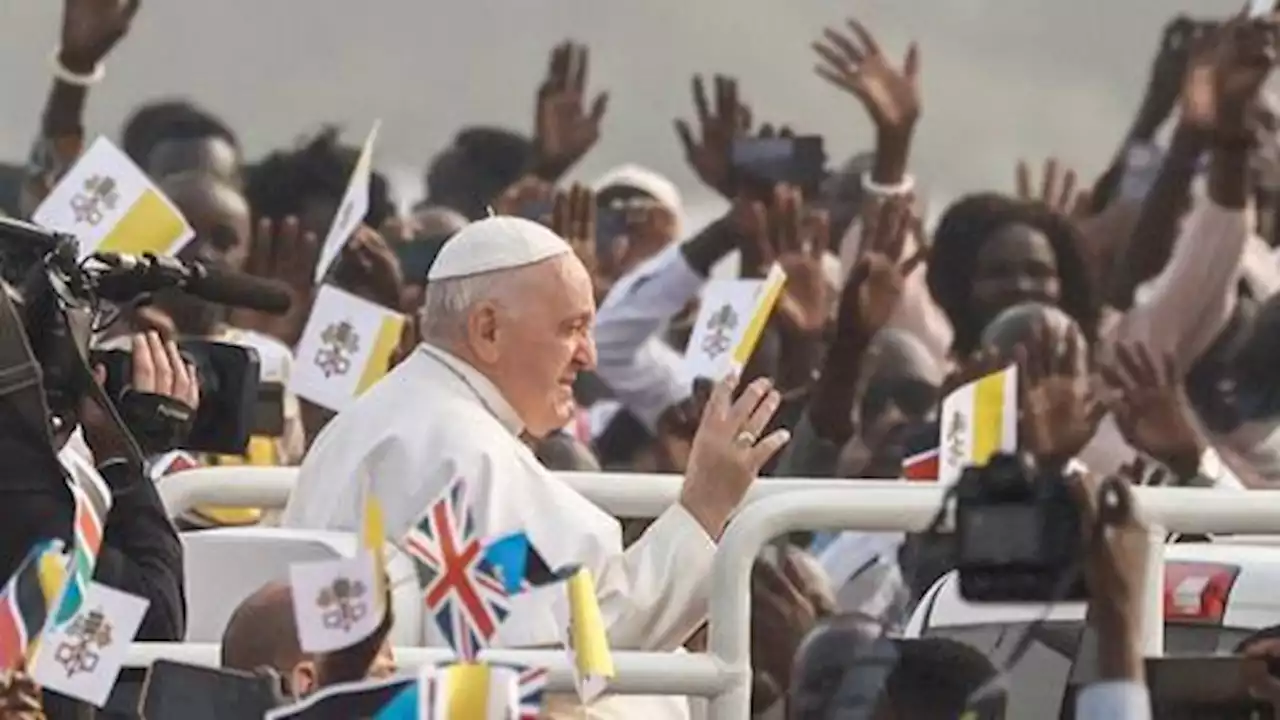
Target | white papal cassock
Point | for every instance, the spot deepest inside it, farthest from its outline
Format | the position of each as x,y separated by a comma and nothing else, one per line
435,418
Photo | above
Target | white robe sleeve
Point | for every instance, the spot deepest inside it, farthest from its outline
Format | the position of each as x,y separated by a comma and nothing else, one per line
655,595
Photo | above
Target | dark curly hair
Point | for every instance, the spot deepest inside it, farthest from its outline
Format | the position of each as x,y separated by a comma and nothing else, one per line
280,184
965,225
175,119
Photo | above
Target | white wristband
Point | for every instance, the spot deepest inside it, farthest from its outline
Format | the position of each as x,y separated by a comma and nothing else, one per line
907,185
65,75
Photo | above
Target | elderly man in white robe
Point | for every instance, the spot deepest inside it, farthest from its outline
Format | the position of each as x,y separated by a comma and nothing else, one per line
506,325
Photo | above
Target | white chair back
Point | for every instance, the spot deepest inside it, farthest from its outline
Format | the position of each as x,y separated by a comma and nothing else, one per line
226,565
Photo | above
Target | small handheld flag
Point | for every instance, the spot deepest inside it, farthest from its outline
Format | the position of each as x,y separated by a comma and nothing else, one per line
590,644
92,503
520,566
26,602
461,588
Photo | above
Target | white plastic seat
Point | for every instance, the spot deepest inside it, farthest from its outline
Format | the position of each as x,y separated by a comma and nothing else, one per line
226,565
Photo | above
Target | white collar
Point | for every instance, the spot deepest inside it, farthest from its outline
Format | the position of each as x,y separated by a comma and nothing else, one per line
483,387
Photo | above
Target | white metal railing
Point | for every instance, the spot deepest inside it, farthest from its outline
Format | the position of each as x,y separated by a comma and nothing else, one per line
723,674
630,495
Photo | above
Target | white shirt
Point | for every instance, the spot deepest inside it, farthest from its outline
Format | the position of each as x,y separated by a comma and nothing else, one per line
645,374
435,418
1114,700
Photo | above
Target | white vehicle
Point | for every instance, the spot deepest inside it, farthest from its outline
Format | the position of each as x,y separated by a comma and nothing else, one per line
1216,594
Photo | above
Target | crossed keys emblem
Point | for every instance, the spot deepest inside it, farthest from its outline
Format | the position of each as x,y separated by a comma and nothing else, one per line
340,343
86,637
343,604
99,193
720,327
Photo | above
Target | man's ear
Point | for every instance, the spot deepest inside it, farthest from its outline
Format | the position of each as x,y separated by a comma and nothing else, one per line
482,332
304,679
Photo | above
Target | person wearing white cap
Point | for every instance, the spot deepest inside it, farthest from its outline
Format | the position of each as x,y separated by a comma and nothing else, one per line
506,326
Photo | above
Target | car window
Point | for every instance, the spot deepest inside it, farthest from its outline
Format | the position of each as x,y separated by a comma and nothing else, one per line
1038,681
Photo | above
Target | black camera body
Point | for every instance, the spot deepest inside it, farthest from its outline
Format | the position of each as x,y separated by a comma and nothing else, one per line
1017,531
229,388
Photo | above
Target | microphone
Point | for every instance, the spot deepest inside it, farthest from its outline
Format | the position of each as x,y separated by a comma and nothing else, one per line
127,277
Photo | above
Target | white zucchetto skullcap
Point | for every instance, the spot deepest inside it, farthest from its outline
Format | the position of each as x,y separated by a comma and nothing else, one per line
496,243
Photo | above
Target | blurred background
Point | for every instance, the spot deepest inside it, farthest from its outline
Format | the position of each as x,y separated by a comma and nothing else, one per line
1002,79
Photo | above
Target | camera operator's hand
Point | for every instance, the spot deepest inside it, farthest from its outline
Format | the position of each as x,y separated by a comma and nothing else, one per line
160,401
1115,568
20,697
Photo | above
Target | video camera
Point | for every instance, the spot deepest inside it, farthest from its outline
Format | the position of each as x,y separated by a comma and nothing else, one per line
1017,534
50,301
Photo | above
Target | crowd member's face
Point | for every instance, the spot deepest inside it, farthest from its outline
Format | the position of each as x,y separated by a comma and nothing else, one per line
384,663
632,227
1015,264
209,155
219,215
534,351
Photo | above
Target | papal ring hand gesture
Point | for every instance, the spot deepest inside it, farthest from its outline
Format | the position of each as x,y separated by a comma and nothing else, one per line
728,450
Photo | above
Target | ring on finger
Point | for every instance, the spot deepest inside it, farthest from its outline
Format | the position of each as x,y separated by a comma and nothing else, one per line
746,438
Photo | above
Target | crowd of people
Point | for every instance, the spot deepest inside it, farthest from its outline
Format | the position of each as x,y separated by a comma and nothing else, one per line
548,323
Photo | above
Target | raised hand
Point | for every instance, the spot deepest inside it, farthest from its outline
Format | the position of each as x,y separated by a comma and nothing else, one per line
798,241
1224,73
787,601
564,130
573,217
710,151
528,191
282,251
1115,562
875,285
728,450
369,268
1151,408
1058,411
1164,85
853,62
1057,189
91,28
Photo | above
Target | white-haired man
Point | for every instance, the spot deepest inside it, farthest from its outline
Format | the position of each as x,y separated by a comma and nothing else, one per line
506,326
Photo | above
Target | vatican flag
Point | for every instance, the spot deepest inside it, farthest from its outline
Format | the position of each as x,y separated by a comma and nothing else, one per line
110,205
731,318
978,420
345,348
352,209
589,643
469,691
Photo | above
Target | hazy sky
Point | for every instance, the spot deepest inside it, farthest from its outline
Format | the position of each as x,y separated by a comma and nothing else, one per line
1002,79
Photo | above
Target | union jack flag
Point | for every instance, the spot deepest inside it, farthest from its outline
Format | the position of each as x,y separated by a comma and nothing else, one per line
461,588
532,682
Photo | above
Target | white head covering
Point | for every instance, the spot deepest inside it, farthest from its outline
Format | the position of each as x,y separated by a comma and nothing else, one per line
496,243
646,181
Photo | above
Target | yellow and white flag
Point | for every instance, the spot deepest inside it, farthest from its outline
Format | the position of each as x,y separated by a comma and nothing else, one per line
352,209
83,658
110,205
978,420
731,319
345,348
588,642
336,601
469,691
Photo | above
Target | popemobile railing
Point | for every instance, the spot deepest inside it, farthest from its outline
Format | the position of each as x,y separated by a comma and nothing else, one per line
775,506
